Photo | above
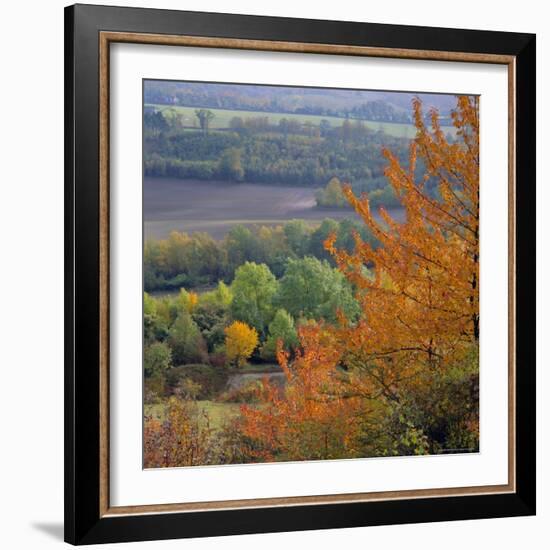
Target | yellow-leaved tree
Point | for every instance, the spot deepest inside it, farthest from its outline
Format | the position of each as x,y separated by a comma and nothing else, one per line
240,341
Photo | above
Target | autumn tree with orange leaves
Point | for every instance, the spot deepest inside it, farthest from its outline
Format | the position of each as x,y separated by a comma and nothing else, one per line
420,301
307,420
402,379
426,269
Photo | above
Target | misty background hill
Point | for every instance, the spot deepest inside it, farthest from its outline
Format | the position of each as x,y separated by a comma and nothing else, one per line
361,104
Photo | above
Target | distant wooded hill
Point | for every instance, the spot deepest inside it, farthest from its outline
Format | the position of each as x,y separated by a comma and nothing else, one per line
382,106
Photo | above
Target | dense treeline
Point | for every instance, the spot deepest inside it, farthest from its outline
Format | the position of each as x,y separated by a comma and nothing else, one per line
253,150
230,324
198,260
193,325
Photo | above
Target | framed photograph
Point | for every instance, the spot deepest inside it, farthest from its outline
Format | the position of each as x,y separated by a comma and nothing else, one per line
300,274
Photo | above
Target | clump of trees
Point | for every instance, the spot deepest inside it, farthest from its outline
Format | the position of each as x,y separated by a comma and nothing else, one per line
228,326
332,195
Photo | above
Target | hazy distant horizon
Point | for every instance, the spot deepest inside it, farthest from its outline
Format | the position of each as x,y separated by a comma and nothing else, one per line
290,98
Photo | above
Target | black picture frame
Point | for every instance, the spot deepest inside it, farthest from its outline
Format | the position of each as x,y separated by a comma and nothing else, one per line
84,523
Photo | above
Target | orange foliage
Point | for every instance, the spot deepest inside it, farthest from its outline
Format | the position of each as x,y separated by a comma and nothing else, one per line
421,307
311,419
193,301
419,297
182,438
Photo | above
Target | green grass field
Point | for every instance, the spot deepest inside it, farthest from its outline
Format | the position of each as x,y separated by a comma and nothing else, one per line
223,116
218,413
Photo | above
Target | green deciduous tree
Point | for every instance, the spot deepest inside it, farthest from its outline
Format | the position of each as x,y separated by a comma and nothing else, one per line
221,296
297,234
230,166
186,341
157,358
313,289
186,301
211,318
253,289
241,246
154,325
205,117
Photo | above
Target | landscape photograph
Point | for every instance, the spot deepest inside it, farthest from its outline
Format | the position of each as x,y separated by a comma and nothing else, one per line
310,274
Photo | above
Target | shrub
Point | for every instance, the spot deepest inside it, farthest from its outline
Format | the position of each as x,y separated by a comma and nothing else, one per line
212,380
183,438
154,388
247,393
332,195
218,359
157,358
